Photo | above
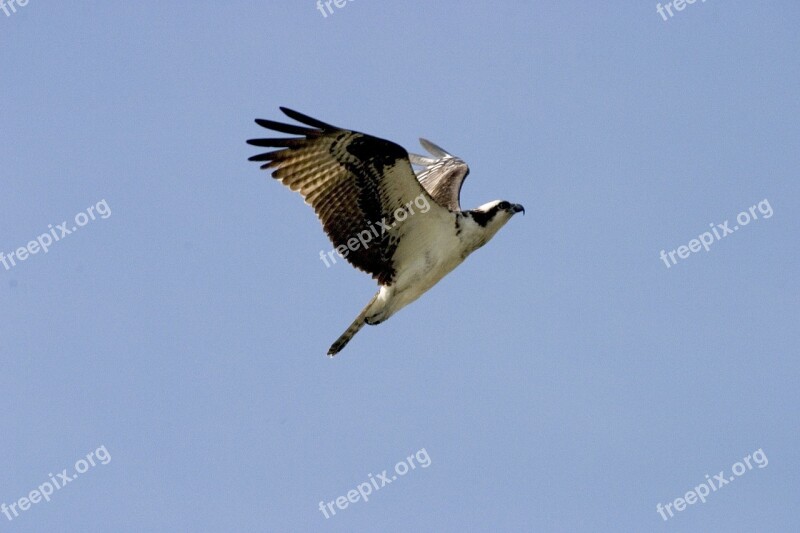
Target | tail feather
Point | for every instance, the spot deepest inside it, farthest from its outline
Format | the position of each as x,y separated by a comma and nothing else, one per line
348,334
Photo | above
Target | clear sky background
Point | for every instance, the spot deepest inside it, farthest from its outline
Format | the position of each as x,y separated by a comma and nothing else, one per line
561,379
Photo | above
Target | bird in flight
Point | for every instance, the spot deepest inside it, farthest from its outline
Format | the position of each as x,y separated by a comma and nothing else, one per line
405,228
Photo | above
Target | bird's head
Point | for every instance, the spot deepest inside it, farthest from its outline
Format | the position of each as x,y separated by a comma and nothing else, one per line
496,212
492,216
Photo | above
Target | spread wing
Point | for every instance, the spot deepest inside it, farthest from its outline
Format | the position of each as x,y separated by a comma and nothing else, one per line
352,180
441,175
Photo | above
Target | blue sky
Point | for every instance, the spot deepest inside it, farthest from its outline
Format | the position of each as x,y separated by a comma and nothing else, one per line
561,379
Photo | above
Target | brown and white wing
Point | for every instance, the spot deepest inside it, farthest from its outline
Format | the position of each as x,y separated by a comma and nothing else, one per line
352,180
442,175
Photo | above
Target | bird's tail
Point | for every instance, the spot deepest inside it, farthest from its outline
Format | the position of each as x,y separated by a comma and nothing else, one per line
348,334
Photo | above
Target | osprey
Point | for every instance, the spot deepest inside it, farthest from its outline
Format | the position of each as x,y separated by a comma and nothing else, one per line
356,181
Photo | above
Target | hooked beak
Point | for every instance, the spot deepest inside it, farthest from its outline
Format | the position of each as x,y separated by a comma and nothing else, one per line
517,208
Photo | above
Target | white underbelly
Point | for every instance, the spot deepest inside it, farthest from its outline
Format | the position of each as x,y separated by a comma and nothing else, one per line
431,262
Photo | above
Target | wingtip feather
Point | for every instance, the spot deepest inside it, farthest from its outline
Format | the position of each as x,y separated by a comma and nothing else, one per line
433,148
305,119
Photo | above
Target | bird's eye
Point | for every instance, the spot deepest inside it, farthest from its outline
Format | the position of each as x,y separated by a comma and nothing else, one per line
503,205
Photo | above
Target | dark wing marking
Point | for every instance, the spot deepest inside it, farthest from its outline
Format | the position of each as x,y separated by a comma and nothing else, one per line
441,175
352,180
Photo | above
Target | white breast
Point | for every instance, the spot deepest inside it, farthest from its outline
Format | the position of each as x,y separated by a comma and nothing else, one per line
429,249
